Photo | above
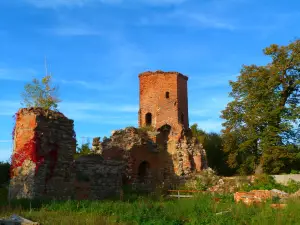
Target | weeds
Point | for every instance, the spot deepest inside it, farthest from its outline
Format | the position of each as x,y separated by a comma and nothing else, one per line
202,209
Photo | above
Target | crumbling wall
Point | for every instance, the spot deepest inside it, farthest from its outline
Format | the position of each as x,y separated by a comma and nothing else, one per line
42,159
97,178
166,158
190,156
133,146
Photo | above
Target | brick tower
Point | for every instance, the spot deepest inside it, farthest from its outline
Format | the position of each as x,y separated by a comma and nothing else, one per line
163,100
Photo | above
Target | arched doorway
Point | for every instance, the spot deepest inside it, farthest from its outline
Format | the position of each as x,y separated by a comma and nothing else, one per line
148,119
143,171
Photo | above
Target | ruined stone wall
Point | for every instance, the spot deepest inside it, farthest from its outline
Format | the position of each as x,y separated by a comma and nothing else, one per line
164,110
189,156
133,146
42,159
97,178
168,160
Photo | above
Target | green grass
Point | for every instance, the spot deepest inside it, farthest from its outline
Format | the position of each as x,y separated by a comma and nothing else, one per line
144,210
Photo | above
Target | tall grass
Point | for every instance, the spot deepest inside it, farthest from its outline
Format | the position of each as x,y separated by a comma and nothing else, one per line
203,209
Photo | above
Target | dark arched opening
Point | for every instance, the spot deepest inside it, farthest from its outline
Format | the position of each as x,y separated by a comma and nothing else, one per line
148,119
143,172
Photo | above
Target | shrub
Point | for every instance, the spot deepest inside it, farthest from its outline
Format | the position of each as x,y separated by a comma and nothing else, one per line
41,94
202,182
267,182
4,173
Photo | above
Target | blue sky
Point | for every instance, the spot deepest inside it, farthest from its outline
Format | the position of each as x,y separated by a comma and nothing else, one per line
96,48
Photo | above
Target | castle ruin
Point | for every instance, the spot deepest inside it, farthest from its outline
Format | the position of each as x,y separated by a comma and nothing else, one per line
161,150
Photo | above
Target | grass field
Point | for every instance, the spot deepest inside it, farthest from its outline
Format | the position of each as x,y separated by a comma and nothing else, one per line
203,209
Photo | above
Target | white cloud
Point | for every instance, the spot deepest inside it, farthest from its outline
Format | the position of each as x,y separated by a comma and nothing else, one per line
98,107
17,74
162,2
210,81
56,3
198,112
88,85
186,18
209,125
73,31
9,108
5,141
100,113
80,3
203,20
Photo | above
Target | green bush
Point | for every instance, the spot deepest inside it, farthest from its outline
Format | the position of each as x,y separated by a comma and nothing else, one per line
3,195
295,171
4,173
267,182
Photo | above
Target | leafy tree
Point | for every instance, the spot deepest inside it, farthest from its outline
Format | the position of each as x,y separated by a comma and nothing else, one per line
212,143
41,94
262,122
198,133
83,150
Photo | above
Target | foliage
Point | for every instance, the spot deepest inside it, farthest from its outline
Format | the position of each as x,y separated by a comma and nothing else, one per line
202,182
3,194
41,94
262,122
203,209
83,150
267,182
295,171
4,173
212,143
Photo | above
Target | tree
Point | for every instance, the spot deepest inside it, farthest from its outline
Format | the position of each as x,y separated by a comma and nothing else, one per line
83,150
212,143
261,125
41,94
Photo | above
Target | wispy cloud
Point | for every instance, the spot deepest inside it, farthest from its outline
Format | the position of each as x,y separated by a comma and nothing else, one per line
88,85
99,107
5,141
80,3
100,113
56,3
73,31
9,108
209,125
210,81
186,18
17,74
161,2
199,112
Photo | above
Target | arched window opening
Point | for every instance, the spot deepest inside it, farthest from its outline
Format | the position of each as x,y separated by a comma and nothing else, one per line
167,94
143,172
182,118
148,119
